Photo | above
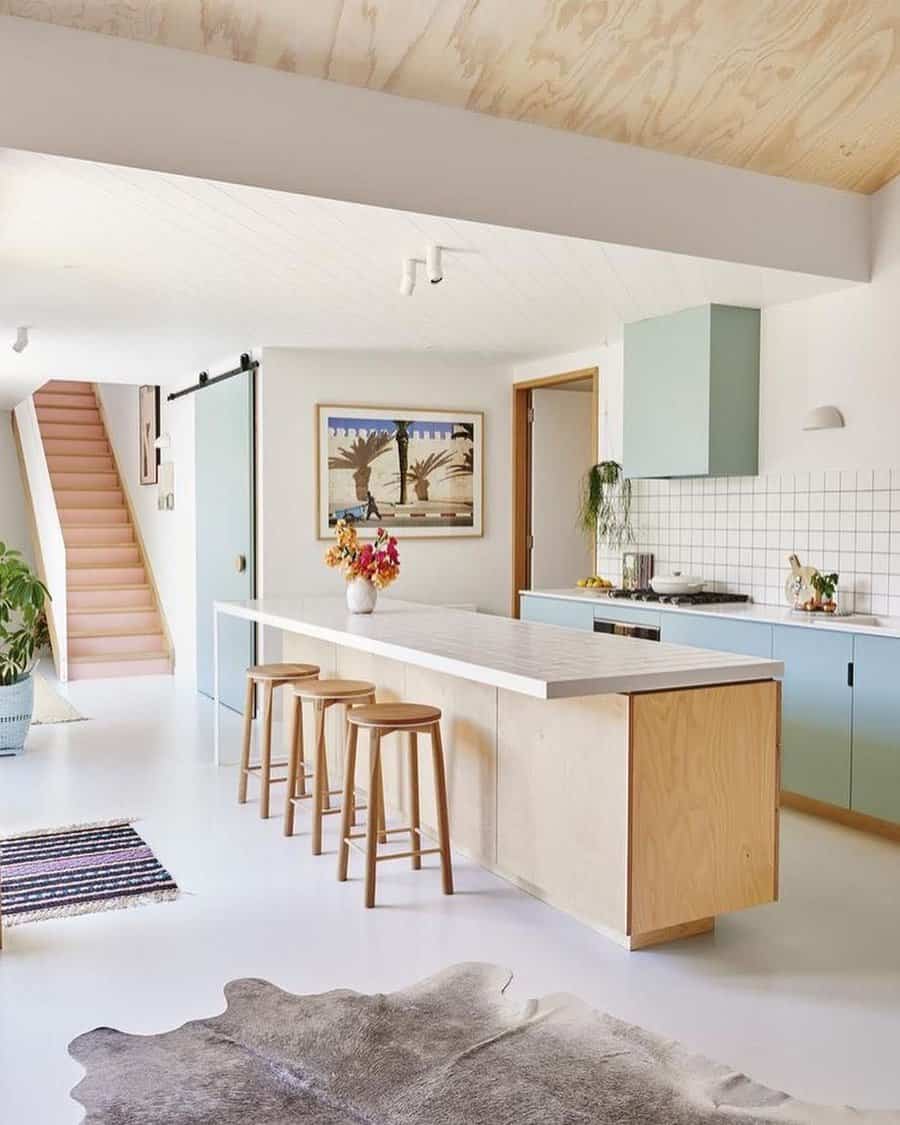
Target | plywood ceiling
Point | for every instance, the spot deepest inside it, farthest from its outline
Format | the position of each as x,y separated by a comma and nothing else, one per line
808,89
136,276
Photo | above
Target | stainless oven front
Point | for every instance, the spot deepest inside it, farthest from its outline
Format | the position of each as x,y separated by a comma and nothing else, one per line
626,629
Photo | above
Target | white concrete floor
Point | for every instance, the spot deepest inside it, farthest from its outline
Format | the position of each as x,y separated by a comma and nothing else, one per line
804,995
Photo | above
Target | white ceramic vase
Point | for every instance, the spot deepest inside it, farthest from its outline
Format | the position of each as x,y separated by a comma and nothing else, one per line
361,595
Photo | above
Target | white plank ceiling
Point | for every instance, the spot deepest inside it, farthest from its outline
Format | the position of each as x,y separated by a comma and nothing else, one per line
135,276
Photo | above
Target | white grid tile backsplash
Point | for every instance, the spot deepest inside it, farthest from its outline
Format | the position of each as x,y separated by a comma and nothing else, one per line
737,532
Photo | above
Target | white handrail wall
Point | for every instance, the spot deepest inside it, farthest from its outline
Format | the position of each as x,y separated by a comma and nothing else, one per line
50,547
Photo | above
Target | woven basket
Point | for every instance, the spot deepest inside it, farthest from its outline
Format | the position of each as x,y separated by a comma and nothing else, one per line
16,706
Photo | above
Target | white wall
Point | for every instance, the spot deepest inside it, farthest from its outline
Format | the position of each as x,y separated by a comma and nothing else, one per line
15,529
169,537
843,348
438,570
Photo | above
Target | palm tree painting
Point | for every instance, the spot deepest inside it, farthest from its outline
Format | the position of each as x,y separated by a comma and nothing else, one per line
417,472
359,456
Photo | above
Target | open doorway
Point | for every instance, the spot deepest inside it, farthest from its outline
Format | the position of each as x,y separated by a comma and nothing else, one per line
555,441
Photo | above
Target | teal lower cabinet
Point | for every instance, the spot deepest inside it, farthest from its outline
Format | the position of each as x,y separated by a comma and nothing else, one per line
817,706
747,637
875,788
558,611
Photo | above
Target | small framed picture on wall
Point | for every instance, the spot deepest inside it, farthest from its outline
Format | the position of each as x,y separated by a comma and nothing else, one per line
149,420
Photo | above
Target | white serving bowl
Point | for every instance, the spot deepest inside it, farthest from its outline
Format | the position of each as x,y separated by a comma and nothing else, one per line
676,583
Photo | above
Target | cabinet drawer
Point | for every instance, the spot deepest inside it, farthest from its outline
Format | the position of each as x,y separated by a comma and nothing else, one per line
558,611
749,638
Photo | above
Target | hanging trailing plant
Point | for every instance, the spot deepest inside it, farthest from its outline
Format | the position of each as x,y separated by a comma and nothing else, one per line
605,512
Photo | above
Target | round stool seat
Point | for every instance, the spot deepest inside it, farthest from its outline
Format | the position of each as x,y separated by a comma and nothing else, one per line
334,689
282,671
394,715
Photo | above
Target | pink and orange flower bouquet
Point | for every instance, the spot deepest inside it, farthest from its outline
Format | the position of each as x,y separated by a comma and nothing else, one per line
377,562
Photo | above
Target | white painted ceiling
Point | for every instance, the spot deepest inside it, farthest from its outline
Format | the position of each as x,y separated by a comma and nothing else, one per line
132,276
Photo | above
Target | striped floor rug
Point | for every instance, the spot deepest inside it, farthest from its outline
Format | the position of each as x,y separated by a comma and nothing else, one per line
81,869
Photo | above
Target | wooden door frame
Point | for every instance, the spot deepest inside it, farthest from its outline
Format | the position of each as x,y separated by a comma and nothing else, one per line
521,464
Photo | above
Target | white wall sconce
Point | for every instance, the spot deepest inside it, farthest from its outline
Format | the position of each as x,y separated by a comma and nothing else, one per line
21,339
824,418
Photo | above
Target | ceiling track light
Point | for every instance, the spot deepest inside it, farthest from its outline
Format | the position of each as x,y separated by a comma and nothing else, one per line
433,264
408,277
21,339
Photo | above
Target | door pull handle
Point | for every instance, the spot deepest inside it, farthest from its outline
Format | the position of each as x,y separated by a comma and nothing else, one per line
240,563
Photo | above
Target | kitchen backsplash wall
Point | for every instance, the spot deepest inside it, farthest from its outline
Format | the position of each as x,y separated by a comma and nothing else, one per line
737,532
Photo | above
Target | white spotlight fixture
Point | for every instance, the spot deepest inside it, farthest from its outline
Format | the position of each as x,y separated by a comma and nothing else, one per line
21,339
408,277
433,264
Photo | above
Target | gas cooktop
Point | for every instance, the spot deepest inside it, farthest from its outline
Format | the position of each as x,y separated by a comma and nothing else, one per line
704,597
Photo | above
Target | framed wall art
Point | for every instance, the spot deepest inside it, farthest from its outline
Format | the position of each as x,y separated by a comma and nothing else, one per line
419,473
148,414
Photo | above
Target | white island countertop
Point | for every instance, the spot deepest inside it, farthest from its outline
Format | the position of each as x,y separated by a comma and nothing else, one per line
543,661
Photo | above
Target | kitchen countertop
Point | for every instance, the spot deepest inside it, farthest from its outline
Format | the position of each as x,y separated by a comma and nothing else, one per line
543,661
738,611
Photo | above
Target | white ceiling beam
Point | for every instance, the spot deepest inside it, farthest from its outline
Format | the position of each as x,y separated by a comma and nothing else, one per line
94,97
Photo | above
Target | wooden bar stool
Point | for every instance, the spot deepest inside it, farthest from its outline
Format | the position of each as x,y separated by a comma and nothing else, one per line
381,719
322,694
268,677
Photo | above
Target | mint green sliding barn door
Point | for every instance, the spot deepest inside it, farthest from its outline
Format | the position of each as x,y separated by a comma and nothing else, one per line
225,531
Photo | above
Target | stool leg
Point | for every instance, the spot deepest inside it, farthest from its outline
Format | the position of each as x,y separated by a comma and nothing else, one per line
319,779
245,750
382,823
443,817
301,753
326,784
414,841
266,754
348,734
293,766
348,809
373,818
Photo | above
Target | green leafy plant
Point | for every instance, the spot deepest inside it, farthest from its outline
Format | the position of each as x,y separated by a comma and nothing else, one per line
824,585
605,511
23,622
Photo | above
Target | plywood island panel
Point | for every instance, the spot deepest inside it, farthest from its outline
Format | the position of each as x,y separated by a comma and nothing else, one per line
642,814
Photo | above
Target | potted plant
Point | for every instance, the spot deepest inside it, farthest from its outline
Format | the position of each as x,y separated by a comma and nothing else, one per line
605,512
23,633
825,586
367,568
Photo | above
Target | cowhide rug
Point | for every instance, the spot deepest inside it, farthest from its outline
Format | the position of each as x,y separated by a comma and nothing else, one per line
452,1050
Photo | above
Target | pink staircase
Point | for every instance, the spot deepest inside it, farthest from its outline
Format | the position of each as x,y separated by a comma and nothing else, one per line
114,624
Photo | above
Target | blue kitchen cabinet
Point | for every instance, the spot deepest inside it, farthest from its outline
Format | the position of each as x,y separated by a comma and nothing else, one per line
875,787
751,638
558,611
817,706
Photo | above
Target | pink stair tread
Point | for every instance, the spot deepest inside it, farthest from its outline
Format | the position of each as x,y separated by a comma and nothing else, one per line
115,627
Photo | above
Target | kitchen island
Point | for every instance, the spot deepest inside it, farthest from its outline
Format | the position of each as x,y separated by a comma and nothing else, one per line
630,783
